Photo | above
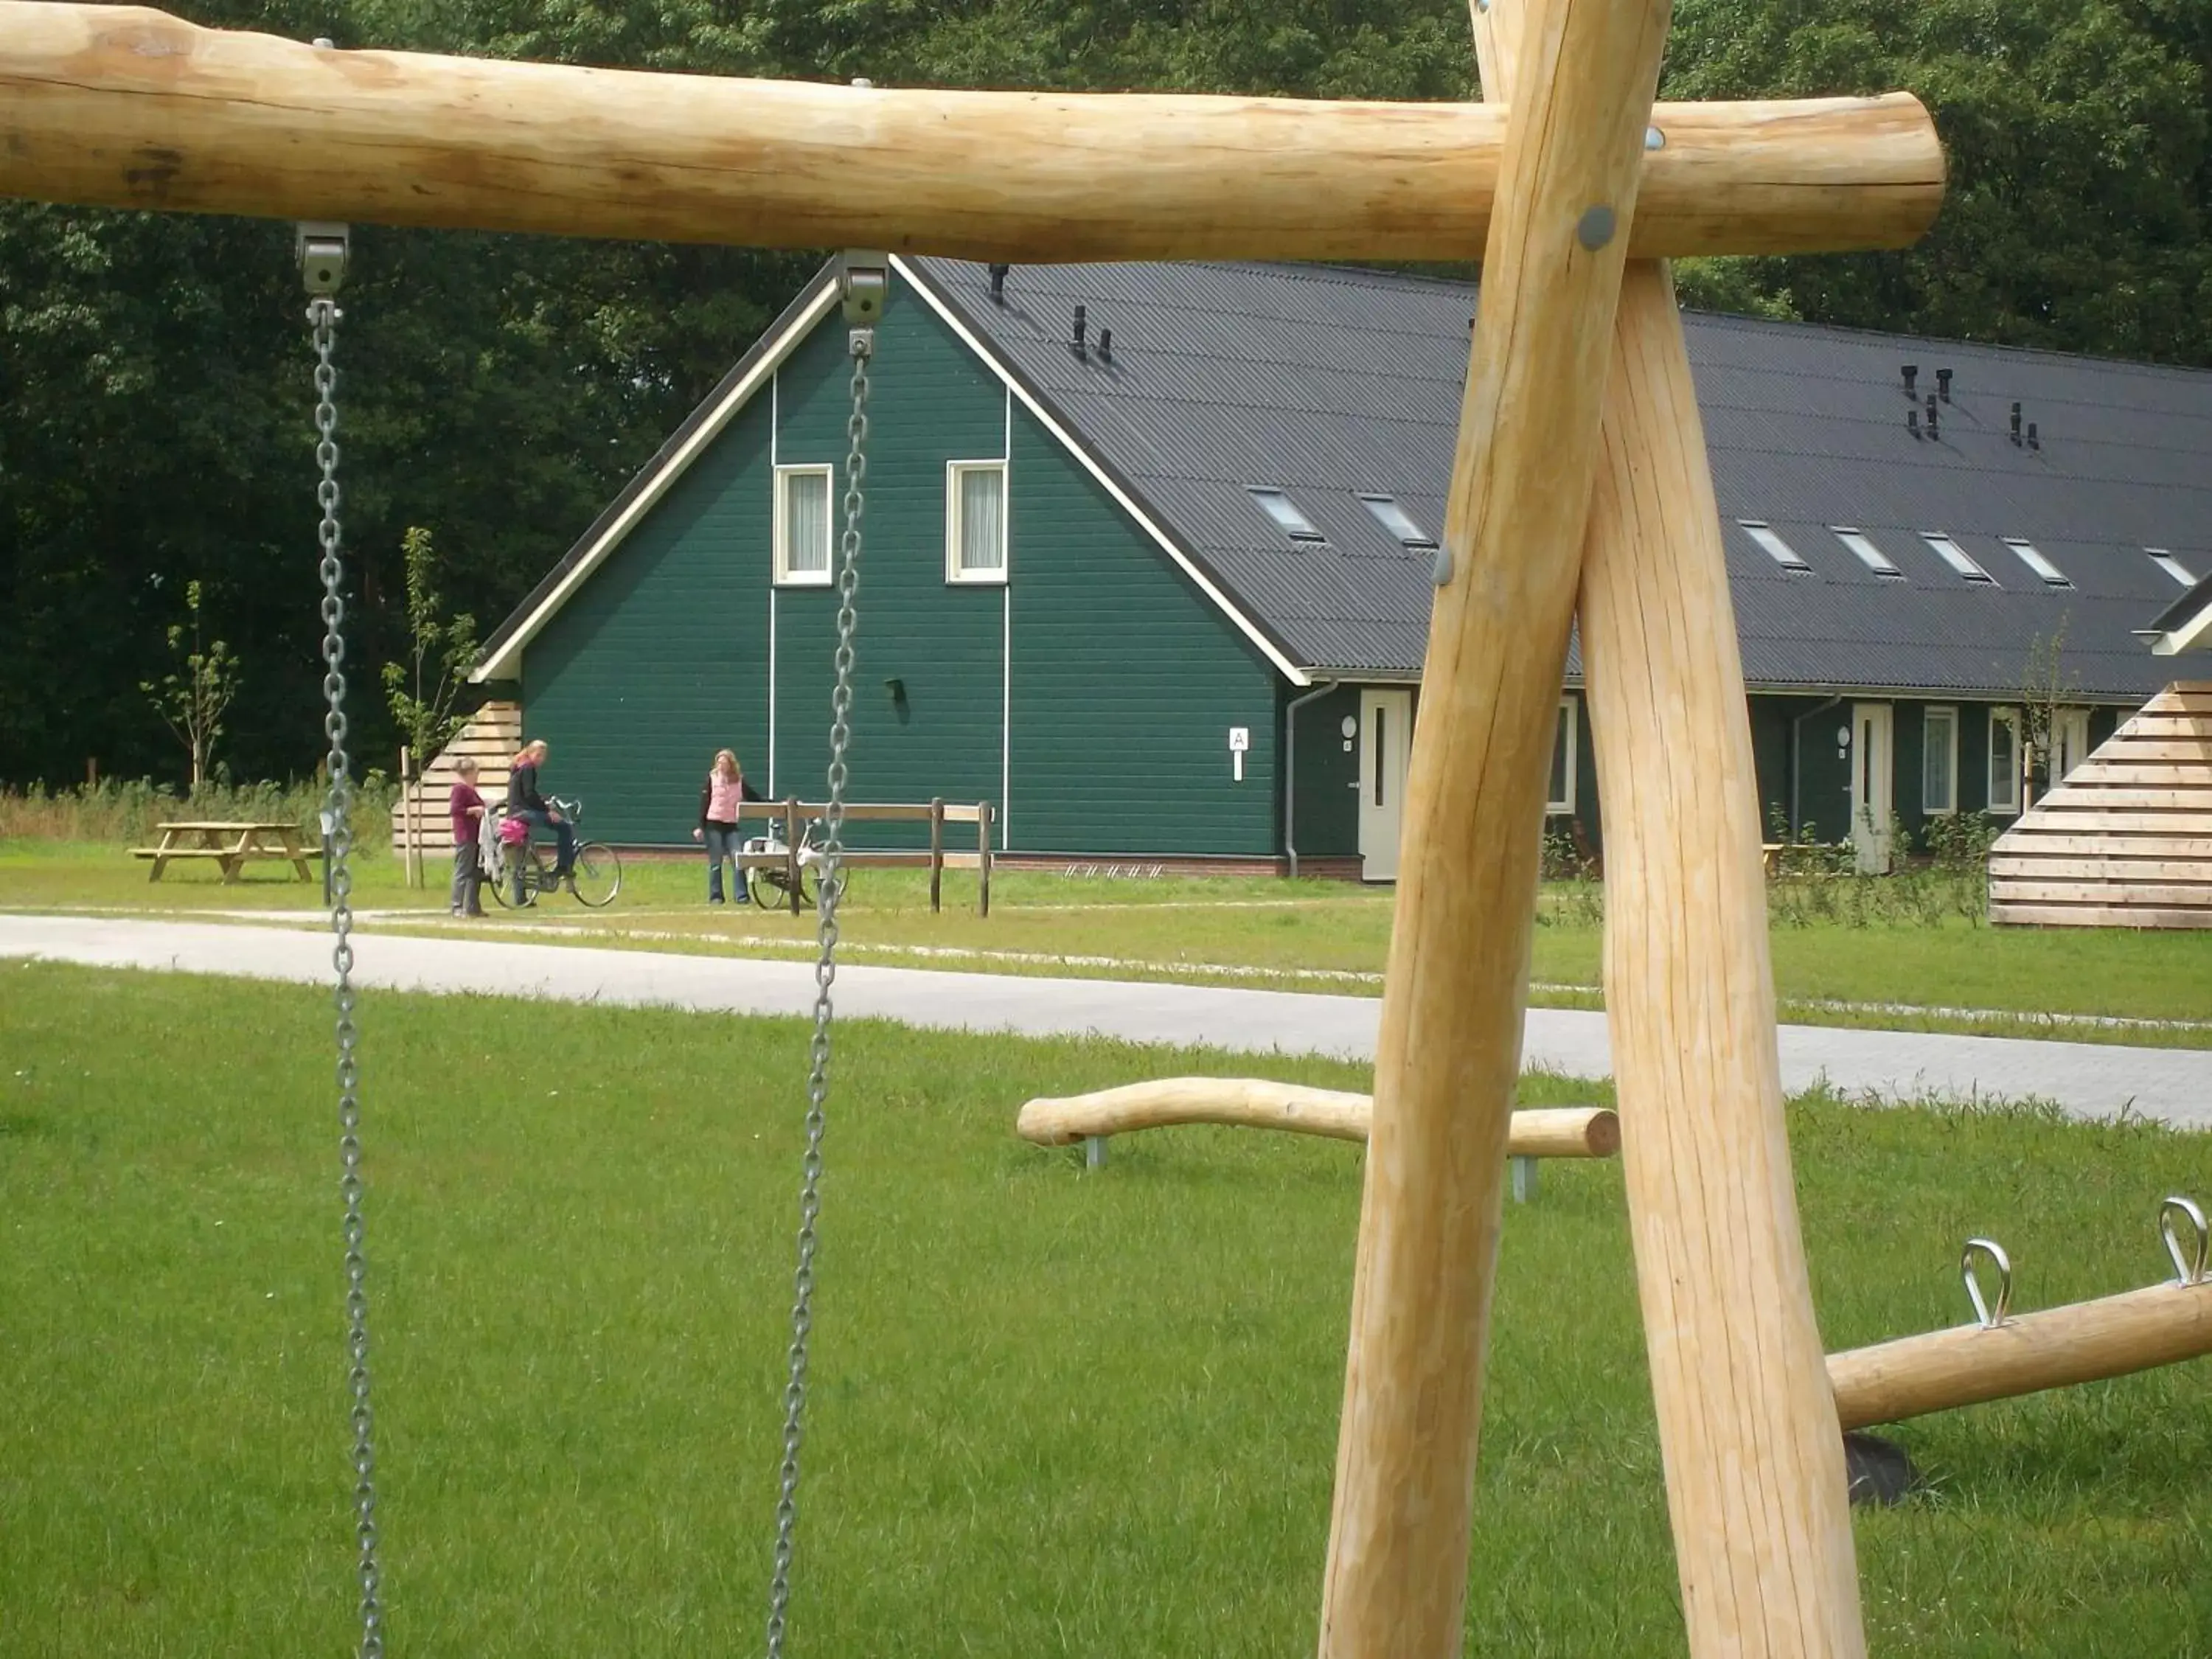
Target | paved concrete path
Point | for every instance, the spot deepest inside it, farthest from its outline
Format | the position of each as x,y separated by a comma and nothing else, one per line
2087,1079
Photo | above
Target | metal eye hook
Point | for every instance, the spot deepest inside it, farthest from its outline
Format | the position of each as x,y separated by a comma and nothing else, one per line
2188,1272
1995,1251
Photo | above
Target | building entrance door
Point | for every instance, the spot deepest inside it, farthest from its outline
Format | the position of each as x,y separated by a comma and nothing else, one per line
1386,731
1871,767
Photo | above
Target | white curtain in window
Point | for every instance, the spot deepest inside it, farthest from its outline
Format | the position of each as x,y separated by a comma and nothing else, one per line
982,519
1938,752
807,522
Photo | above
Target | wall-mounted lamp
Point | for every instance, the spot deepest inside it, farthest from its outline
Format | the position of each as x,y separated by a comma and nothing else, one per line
899,704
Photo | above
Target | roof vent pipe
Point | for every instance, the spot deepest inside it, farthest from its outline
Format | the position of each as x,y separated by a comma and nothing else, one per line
2015,426
1912,421
1080,324
1943,383
1912,372
998,283
1105,345
1932,420
2032,442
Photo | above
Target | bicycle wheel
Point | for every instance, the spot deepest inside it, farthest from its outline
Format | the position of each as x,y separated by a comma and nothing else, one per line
763,887
598,873
530,863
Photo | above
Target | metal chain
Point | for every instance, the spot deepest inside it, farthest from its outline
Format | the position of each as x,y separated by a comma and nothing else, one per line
829,890
323,315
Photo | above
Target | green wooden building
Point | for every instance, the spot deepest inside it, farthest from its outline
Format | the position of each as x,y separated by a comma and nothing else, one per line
1149,554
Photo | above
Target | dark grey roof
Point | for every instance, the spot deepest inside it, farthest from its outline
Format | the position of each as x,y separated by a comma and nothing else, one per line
1329,382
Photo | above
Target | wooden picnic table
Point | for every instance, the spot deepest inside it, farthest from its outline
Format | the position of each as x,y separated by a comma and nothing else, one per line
233,845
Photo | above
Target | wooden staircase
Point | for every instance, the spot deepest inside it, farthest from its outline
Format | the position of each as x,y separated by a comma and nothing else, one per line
491,736
2126,841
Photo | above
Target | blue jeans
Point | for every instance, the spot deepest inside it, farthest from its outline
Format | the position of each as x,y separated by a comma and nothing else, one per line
722,843
565,852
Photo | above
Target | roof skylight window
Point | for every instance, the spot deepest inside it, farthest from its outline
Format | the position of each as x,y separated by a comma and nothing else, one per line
1781,553
2052,574
2172,567
1285,512
1868,554
1957,557
1397,522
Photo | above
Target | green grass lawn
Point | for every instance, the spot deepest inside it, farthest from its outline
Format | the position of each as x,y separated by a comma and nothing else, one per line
1320,935
1056,1411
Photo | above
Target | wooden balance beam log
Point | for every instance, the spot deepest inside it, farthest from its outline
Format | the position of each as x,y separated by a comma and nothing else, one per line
2053,1348
1253,1103
126,107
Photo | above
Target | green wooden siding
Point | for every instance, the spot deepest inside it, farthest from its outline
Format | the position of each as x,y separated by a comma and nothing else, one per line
1124,678
659,660
1125,682
930,402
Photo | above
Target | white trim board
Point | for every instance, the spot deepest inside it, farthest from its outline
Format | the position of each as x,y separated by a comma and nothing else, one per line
507,664
2193,632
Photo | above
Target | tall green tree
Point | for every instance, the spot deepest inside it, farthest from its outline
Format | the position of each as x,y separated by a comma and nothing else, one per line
2078,210
422,691
193,696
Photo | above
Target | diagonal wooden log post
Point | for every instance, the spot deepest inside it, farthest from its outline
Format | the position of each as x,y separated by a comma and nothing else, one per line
1748,1426
1449,1053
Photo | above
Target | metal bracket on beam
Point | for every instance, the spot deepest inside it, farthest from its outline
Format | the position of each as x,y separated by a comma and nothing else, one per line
322,247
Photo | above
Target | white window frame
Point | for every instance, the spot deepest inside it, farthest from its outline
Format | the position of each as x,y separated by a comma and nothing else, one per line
1947,716
2031,556
1398,524
785,575
1773,544
1292,521
1945,546
1563,807
1862,547
990,576
2164,561
2007,803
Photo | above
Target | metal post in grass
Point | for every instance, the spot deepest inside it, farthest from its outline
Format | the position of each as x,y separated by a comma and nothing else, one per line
791,851
936,851
984,857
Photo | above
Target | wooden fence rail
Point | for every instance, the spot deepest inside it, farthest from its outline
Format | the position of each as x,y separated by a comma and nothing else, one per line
793,816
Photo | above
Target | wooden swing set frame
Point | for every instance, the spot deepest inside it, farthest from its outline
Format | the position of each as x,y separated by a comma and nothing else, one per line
1594,499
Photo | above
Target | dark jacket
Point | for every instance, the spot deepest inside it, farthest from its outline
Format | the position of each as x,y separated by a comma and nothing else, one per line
522,794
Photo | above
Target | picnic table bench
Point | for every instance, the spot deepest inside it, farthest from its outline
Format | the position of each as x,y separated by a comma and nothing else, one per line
232,845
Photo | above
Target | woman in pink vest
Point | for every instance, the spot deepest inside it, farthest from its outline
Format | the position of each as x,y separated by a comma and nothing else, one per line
718,822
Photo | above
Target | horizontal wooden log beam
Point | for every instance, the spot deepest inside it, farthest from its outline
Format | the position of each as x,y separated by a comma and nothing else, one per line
1550,1131
125,108
2053,1348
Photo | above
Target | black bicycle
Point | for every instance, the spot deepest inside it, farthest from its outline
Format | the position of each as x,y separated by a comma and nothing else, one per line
768,885
528,865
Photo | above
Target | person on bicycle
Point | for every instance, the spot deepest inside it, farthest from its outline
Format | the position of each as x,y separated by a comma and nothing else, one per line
718,821
523,801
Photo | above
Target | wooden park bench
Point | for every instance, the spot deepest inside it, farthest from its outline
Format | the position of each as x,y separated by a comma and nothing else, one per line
233,846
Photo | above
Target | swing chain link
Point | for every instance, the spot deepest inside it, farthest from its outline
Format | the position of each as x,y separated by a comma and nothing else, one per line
324,314
830,890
